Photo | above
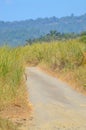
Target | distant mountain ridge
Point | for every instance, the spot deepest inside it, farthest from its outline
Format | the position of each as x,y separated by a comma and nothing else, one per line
17,32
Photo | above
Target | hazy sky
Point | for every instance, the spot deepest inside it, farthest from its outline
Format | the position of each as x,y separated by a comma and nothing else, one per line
11,10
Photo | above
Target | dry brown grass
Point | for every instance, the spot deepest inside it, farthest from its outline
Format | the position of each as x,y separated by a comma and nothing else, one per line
69,77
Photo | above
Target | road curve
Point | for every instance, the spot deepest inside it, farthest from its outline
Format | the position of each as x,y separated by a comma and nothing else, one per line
56,105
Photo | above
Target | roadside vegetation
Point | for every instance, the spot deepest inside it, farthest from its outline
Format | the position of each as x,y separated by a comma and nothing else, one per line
66,59
13,93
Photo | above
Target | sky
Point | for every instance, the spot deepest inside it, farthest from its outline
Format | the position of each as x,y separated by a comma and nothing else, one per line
16,10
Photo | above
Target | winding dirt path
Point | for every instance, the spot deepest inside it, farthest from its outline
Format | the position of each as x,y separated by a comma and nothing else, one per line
56,105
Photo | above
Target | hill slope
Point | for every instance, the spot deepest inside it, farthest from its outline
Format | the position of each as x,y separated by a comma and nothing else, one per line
18,32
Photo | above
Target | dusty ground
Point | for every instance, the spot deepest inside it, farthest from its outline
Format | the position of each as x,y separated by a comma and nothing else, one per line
56,105
17,114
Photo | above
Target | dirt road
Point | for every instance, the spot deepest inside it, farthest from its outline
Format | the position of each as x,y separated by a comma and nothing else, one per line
56,105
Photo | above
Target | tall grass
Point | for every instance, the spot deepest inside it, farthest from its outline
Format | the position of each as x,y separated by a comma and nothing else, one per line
63,57
12,89
58,56
11,71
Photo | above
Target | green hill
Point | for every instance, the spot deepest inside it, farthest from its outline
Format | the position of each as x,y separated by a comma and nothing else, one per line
17,32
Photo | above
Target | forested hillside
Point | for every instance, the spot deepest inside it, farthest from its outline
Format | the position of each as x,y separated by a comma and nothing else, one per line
17,32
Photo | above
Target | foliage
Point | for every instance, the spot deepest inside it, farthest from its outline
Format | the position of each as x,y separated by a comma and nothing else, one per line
83,37
52,36
16,33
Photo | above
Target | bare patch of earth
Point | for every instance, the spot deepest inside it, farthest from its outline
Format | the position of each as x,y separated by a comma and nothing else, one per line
17,114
